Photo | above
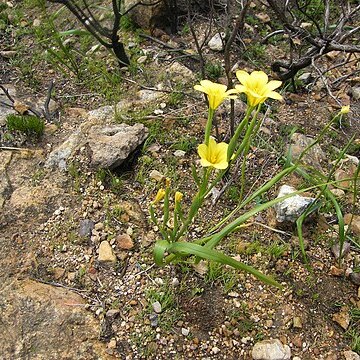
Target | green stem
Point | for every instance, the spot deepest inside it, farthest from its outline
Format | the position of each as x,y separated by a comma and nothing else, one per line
239,129
196,203
209,125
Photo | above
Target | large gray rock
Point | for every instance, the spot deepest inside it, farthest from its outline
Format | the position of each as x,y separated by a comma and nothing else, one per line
112,145
291,208
314,157
271,350
146,16
108,145
351,355
40,321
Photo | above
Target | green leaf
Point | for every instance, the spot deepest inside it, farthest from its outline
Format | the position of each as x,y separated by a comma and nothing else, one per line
74,32
159,250
210,254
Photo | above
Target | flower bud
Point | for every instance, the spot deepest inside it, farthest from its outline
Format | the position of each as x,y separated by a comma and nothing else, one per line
178,196
159,196
345,109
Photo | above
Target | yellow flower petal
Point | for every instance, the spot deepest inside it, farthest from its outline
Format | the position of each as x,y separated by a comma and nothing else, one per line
159,196
214,154
202,150
275,95
274,84
243,76
257,87
259,77
178,196
216,93
345,109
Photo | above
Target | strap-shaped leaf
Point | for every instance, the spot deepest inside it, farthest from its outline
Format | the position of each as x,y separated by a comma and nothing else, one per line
160,248
210,254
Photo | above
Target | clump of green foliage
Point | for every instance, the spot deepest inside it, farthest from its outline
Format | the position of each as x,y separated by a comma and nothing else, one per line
29,125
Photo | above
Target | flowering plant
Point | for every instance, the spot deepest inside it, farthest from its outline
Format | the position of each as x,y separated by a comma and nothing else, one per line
216,159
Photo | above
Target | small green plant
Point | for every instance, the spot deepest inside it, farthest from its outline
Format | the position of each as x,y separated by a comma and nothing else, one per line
29,125
185,143
127,24
213,70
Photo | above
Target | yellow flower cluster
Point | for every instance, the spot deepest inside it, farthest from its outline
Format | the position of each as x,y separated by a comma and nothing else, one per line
256,86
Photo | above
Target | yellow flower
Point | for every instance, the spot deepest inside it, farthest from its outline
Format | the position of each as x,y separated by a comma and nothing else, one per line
257,87
345,109
159,196
178,196
167,182
216,93
214,154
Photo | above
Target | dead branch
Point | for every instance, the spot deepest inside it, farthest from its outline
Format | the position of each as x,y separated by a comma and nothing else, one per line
316,44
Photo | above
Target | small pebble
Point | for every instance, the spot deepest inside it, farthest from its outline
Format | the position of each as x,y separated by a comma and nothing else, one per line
157,307
185,331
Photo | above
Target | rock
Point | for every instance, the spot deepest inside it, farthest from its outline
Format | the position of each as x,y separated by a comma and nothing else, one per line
99,226
112,313
112,145
306,78
149,95
215,350
6,110
339,193
341,176
25,196
355,278
179,153
51,321
58,157
336,249
146,16
185,331
85,228
156,307
142,59
154,320
351,355
335,271
58,273
314,157
297,323
271,350
290,209
156,175
355,92
342,318
108,145
5,186
180,72
124,242
216,42
106,253
355,225
104,113
8,54
40,105
263,17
